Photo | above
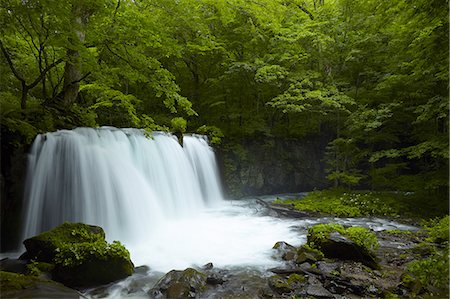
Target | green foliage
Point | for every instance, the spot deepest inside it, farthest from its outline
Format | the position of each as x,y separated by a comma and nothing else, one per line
438,230
430,274
214,134
179,124
371,77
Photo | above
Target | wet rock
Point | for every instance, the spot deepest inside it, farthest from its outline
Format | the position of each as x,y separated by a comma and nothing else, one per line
334,287
279,284
307,254
180,284
13,285
318,291
214,279
13,265
285,251
338,246
328,268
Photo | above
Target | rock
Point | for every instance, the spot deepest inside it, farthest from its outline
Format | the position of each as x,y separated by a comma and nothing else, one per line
340,247
43,246
208,266
307,254
214,279
284,250
80,255
13,265
13,285
180,284
328,268
279,284
318,291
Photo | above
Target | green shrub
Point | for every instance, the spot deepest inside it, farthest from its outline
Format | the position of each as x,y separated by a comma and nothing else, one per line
179,124
432,271
438,230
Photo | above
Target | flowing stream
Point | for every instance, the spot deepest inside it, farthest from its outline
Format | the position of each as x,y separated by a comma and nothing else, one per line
162,201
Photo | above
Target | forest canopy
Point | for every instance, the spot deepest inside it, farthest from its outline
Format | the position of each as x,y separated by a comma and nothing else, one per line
372,75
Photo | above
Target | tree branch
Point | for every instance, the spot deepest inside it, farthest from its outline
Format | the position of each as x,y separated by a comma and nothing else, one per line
301,8
10,63
44,71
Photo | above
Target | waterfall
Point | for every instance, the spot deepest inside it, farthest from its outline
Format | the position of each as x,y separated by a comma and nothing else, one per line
119,179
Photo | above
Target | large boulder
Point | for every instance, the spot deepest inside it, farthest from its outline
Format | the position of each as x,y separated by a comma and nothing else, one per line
80,255
355,243
180,284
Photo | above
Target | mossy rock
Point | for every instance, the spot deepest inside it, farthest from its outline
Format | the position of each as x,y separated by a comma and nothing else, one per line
43,247
307,254
80,255
181,284
283,285
14,285
354,243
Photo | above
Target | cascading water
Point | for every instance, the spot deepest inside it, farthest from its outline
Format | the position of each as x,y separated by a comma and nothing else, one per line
163,201
119,179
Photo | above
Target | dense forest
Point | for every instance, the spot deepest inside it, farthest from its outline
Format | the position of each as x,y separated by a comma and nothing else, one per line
371,74
338,107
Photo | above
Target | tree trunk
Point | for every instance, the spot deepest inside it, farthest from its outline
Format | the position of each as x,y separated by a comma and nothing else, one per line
72,69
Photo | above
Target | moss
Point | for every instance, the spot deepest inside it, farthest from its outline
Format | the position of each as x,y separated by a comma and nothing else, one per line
320,233
295,278
13,281
279,284
397,232
308,254
78,253
72,233
363,237
37,268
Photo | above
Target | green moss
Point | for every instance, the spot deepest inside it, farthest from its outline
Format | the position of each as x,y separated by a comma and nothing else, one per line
78,253
37,268
316,253
70,233
295,278
13,281
397,232
320,233
363,237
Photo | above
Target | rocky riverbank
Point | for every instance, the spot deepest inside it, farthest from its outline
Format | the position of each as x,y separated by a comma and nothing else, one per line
336,262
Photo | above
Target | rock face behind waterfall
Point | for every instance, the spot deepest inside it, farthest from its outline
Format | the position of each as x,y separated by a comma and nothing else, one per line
80,255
